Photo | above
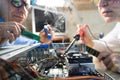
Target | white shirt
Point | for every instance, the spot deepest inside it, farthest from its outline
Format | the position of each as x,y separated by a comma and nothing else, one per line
110,42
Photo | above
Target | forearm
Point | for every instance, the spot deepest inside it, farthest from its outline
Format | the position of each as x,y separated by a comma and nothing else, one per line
101,46
111,61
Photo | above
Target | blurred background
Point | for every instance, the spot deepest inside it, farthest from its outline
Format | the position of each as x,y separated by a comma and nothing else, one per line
75,12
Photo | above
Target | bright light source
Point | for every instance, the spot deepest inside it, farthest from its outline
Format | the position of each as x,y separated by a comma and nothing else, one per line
51,3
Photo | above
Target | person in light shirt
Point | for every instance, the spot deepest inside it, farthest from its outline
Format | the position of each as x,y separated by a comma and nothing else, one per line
110,11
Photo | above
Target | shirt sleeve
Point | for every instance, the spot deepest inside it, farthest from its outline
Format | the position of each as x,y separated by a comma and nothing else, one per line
24,40
110,42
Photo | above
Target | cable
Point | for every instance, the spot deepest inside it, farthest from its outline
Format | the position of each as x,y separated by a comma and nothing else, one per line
100,40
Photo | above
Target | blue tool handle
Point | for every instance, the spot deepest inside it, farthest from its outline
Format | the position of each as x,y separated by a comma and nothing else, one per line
46,30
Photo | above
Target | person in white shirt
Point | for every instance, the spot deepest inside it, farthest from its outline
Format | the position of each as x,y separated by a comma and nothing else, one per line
110,11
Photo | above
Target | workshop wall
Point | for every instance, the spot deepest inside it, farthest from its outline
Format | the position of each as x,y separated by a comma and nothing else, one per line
76,16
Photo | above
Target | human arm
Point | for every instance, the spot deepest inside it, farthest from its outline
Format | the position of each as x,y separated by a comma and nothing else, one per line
88,39
111,61
26,40
107,43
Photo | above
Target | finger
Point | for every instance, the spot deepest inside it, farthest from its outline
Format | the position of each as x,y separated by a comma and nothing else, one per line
11,37
3,40
86,31
110,65
18,28
103,55
50,27
78,28
42,32
51,30
116,63
106,61
82,31
115,68
21,26
14,28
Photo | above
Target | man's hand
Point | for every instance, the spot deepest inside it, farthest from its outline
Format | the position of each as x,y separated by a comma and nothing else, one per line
9,31
44,38
85,35
111,61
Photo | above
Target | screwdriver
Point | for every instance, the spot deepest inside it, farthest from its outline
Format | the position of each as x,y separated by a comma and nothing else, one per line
30,35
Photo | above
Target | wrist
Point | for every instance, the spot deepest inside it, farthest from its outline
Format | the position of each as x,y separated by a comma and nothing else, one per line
41,40
90,44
